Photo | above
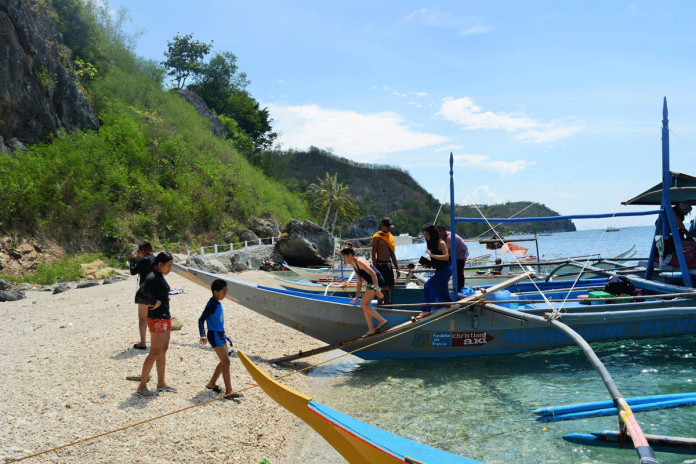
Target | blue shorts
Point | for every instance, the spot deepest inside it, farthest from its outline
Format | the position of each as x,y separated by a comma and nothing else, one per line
216,338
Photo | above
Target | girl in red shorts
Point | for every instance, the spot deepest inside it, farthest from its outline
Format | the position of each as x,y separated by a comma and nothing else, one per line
155,292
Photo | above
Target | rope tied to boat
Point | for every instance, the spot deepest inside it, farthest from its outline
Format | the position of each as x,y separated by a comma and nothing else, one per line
554,315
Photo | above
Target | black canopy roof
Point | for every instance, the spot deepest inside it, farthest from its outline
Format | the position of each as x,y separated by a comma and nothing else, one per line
683,189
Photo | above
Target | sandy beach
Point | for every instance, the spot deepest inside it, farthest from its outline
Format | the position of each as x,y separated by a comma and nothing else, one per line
64,362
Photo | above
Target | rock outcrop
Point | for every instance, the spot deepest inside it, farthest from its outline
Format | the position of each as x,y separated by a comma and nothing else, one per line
264,228
305,244
362,228
197,102
38,86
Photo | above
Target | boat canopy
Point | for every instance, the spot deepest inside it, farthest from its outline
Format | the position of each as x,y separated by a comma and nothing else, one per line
683,189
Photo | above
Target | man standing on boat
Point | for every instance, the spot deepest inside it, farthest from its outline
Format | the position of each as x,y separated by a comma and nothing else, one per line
383,247
462,253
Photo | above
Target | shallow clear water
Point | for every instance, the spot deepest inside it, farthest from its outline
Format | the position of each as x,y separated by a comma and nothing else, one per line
481,407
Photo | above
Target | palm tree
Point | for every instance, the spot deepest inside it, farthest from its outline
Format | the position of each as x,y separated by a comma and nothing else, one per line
330,195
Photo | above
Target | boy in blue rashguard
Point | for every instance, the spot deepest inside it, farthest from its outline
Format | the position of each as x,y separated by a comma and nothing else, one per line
216,336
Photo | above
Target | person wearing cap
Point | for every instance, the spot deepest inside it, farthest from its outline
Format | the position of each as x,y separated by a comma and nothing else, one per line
383,247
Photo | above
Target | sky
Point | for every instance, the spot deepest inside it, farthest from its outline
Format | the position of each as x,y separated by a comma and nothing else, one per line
552,102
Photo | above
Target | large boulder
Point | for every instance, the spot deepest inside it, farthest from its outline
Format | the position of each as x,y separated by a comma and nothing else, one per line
305,244
249,236
40,92
264,228
362,228
4,285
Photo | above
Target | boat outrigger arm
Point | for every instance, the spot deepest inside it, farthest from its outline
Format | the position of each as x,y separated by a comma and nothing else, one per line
666,223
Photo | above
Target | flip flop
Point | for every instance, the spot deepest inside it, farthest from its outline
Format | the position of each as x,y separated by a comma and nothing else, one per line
368,335
145,394
419,317
233,396
139,347
168,388
216,388
378,329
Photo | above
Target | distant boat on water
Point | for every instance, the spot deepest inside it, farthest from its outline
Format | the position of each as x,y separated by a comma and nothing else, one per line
612,229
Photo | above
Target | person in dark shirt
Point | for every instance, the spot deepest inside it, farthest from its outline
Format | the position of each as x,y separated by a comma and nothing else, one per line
154,292
435,289
213,315
141,263
365,271
497,270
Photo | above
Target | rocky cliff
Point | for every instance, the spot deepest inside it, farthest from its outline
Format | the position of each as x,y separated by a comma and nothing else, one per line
197,102
39,92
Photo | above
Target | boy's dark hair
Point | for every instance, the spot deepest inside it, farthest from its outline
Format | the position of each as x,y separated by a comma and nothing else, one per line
441,227
146,247
217,285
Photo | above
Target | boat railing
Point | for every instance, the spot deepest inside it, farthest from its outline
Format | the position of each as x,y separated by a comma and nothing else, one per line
234,247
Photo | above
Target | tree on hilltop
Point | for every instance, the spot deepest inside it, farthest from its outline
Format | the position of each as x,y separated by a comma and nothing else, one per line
330,195
185,57
223,88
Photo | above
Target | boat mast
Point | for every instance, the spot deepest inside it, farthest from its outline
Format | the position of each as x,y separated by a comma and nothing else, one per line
453,232
666,223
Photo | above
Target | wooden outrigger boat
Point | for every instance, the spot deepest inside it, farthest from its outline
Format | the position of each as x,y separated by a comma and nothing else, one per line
355,440
662,310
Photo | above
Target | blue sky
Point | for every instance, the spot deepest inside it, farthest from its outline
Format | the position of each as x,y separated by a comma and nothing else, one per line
554,102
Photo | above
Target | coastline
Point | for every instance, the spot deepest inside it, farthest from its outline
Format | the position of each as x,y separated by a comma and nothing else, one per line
65,360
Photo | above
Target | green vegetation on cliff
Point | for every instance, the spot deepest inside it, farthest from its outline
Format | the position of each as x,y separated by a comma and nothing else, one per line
153,171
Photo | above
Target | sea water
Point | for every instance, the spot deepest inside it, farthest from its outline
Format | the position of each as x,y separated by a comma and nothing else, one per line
481,407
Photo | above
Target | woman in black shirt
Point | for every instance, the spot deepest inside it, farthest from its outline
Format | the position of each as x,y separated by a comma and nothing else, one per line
155,293
436,288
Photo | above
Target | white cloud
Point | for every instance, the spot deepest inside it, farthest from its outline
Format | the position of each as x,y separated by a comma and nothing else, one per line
502,167
475,30
433,18
483,194
417,105
449,148
419,94
464,112
358,136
